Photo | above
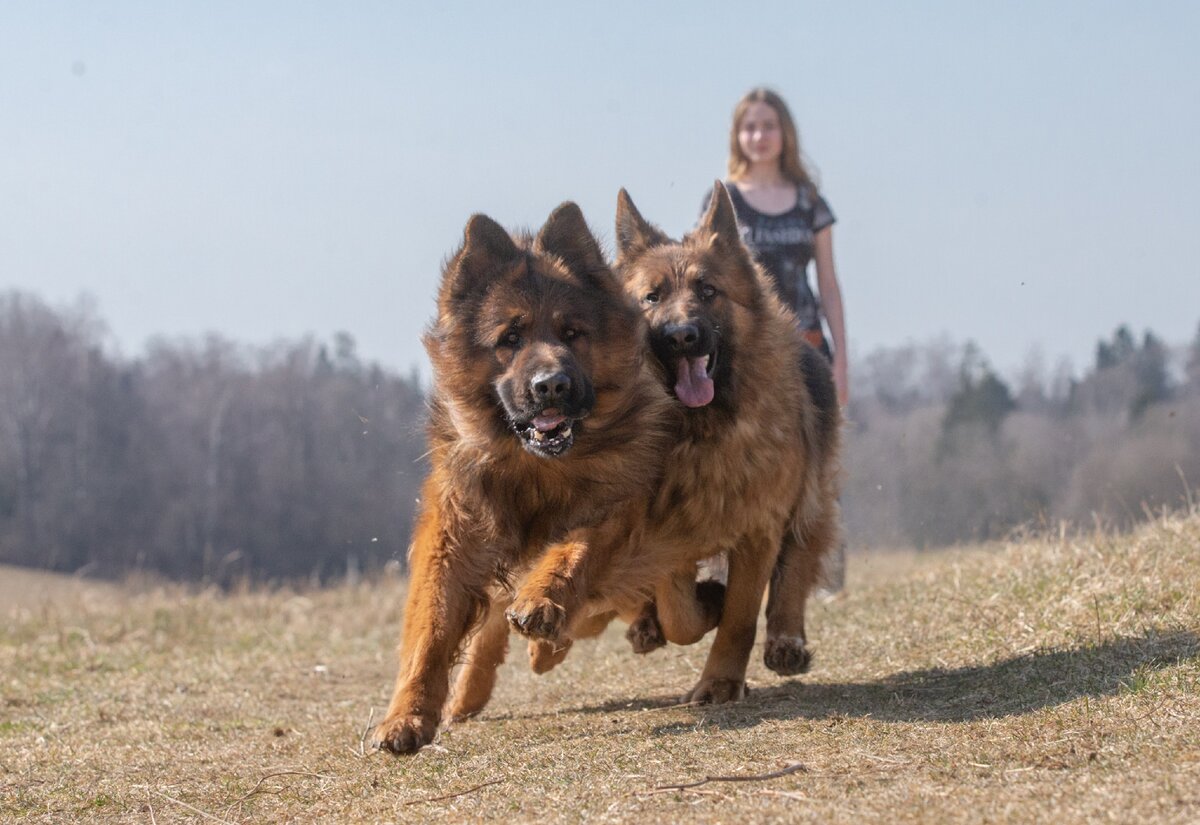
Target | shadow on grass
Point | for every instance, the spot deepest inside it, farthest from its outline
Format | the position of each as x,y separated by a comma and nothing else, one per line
1010,687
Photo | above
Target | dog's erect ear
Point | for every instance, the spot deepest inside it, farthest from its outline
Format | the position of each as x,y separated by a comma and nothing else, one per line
566,235
719,226
487,242
634,233
486,246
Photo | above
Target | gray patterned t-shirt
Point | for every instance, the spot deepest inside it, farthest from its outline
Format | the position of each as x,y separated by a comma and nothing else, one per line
783,245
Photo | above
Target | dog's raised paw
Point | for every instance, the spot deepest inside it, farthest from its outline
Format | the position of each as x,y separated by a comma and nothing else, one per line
645,634
404,734
537,618
787,656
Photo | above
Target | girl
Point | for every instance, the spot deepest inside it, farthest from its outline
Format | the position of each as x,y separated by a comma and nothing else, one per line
785,222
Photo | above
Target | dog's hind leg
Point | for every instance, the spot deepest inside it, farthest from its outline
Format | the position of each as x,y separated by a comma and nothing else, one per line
687,609
795,576
485,654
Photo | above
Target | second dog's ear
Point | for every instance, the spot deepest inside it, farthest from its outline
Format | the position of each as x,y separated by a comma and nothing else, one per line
566,235
719,224
486,248
634,233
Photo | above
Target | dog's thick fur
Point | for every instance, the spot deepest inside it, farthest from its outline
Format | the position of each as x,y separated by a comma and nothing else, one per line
547,427
754,471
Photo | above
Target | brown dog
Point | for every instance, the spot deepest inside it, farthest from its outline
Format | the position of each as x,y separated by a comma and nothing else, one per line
547,427
754,470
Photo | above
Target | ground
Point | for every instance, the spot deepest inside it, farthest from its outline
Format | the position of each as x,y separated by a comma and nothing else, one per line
1049,679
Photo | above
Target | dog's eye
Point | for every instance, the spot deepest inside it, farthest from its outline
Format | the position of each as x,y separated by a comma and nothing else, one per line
651,298
512,338
570,334
708,291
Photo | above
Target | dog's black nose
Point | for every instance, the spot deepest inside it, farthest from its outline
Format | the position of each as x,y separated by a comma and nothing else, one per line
681,337
550,386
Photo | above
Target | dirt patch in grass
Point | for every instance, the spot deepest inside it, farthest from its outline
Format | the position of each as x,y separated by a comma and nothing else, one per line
1046,680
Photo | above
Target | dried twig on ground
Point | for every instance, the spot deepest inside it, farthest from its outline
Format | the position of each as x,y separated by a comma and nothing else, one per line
362,742
790,768
453,795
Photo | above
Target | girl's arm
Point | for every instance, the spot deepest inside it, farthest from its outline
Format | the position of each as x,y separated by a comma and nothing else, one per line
831,304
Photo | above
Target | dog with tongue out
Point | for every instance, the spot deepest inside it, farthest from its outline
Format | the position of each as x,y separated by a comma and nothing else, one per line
752,474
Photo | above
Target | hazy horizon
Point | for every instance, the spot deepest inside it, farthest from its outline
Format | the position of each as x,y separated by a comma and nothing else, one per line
1022,177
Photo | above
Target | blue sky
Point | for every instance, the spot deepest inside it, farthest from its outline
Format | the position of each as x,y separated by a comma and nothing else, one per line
1019,174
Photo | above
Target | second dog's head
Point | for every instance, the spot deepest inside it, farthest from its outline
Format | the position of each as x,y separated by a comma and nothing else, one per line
696,295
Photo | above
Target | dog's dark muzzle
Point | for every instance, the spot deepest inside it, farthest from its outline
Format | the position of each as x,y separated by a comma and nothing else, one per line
688,339
554,403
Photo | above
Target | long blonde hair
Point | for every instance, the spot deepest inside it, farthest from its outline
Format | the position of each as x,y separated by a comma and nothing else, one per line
791,163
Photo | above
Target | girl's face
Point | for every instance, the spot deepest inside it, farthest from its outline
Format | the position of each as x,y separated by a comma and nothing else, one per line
759,134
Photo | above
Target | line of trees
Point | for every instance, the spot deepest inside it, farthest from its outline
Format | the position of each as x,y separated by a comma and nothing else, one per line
943,450
210,460
200,459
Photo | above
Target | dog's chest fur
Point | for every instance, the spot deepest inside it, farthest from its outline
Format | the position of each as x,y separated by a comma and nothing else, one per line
735,483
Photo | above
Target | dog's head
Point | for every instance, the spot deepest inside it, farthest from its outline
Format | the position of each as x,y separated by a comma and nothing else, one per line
695,294
523,326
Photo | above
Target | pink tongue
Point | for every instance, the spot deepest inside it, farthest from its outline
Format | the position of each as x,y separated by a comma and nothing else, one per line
692,385
546,423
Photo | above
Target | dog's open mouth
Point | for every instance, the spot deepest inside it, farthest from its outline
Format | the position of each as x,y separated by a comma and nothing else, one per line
693,379
549,433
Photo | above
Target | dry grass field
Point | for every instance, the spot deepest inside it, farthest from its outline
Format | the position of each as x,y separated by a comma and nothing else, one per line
1052,680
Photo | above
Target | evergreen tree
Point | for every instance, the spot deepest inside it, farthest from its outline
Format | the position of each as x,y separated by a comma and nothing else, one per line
1120,351
982,400
1150,370
1193,363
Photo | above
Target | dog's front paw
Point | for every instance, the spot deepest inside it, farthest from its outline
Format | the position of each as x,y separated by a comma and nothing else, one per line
645,633
717,691
537,618
787,656
405,734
